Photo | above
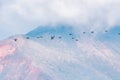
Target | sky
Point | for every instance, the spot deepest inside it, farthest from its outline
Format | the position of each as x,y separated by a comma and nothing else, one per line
22,16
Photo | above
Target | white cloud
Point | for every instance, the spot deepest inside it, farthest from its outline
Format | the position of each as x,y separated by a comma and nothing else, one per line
24,15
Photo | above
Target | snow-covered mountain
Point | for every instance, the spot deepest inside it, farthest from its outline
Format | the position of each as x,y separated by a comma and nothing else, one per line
61,53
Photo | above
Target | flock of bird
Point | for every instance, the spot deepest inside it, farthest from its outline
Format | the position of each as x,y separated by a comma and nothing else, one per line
70,34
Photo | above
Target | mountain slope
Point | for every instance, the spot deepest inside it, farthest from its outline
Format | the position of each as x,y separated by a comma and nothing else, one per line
60,53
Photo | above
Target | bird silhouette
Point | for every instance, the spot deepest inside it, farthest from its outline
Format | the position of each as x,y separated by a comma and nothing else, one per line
15,39
72,38
27,38
52,37
38,37
84,32
92,32
76,39
70,33
106,31
60,37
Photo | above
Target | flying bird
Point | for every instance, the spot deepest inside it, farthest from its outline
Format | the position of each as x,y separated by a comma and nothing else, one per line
52,37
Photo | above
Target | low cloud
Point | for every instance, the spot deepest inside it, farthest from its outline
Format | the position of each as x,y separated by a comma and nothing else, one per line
21,16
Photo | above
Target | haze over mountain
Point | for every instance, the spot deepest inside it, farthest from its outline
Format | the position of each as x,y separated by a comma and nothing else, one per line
61,53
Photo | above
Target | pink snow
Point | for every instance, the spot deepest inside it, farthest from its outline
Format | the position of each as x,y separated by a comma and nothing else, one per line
6,50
